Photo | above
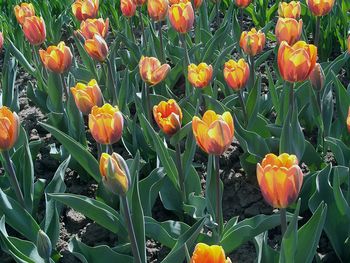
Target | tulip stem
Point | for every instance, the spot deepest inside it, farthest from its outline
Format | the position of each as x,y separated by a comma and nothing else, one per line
9,168
64,87
317,32
99,150
244,109
218,203
184,45
252,72
148,102
291,98
217,6
188,257
112,81
180,171
283,214
162,53
241,14
142,26
133,241
132,30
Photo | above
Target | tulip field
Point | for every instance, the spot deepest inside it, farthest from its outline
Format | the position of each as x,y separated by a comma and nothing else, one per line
197,131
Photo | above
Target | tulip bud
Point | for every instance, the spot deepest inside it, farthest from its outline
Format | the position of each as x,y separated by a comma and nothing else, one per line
97,48
252,42
157,9
22,11
289,30
236,74
243,3
296,62
34,30
115,173
349,44
128,8
181,17
151,70
57,58
1,40
289,10
84,9
320,7
197,3
106,124
317,77
90,27
168,116
87,96
43,243
214,132
348,120
9,128
210,254
280,179
201,75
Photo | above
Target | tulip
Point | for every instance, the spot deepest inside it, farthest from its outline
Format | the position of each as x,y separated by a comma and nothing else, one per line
56,58
1,40
320,7
168,116
151,70
9,128
243,3
34,30
280,179
289,30
181,17
214,133
349,44
90,27
106,124
87,96
348,120
289,10
197,3
252,42
317,77
139,2
296,62
128,8
84,9
210,254
157,9
97,48
115,173
236,74
200,76
22,11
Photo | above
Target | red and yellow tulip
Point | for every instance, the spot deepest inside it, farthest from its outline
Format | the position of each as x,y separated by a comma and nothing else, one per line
209,254
200,76
181,17
56,58
9,128
197,3
317,77
289,30
214,132
296,62
348,120
320,7
152,71
252,42
168,116
34,30
243,3
289,10
236,74
22,11
280,179
157,9
97,48
128,8
84,9
90,27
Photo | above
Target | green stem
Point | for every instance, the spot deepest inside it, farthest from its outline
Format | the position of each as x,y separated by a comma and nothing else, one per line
252,72
99,150
184,46
64,87
180,171
244,109
317,32
217,185
291,98
9,168
112,81
241,15
162,54
132,30
148,102
142,26
133,241
217,5
283,214
188,257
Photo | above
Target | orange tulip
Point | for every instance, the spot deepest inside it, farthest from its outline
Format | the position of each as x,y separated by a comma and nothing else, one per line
197,3
34,30
157,9
168,116
22,11
349,44
1,40
236,74
289,10
90,27
280,179
128,7
200,76
317,77
296,62
252,42
115,173
289,30
209,254
97,48
84,9
243,3
87,96
348,120
106,124
151,71
57,58
181,17
139,2
214,133
320,7
9,128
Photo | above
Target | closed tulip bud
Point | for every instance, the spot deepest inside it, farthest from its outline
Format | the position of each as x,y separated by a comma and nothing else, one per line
168,116
289,30
296,62
236,74
320,7
22,11
97,48
348,120
151,70
34,30
115,173
1,40
197,3
87,96
9,128
84,9
243,3
90,27
289,10
252,42
200,76
181,17
317,77
106,124
157,9
211,254
43,243
214,132
57,58
139,2
280,179
349,44
128,8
